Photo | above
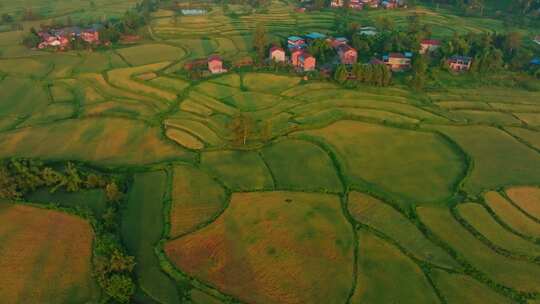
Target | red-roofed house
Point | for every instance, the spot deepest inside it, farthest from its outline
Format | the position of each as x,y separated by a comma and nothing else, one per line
429,45
347,54
90,36
215,65
295,55
307,62
459,63
277,54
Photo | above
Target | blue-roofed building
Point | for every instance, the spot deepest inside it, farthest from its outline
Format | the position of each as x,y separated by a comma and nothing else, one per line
315,35
294,42
408,54
536,61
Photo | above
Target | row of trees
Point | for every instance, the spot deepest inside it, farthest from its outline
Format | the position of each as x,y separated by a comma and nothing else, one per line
371,74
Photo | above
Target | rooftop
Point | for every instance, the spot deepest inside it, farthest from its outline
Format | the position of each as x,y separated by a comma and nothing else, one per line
315,35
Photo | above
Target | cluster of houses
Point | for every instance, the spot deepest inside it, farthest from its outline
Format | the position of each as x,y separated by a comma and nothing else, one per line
297,55
61,38
360,4
302,60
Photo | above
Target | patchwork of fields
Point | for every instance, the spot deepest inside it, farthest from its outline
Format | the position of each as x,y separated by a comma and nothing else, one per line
258,187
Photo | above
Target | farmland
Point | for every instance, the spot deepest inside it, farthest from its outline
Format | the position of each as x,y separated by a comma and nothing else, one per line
261,185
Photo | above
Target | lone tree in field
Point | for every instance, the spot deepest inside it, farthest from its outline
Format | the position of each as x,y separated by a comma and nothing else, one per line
242,127
260,41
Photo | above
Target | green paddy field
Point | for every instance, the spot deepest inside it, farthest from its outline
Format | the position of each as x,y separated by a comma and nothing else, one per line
335,195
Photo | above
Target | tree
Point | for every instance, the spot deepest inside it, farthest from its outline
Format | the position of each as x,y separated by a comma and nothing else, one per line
512,42
321,50
120,288
419,69
241,126
260,41
112,193
340,75
7,18
73,180
119,262
32,39
385,23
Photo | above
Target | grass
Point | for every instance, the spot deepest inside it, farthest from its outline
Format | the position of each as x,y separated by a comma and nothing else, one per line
122,78
366,157
98,140
151,53
380,216
273,247
36,251
520,275
269,83
481,220
238,170
529,136
527,198
93,200
168,83
491,148
142,228
511,215
24,67
308,168
185,139
22,96
196,199
458,288
380,265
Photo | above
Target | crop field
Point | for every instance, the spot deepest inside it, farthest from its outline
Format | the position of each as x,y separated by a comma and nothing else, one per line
142,228
526,198
521,275
512,215
263,234
260,185
378,263
36,251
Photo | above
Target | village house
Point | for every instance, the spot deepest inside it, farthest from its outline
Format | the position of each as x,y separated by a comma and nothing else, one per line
459,63
295,55
429,45
307,62
347,54
537,39
302,60
371,3
336,3
295,42
398,61
356,4
90,36
215,65
535,62
277,54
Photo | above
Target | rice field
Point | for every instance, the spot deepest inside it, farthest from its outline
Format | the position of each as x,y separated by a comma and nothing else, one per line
273,247
520,275
385,275
511,215
196,199
372,212
36,251
526,198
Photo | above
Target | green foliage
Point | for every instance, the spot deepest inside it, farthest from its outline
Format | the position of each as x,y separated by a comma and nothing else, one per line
260,40
340,75
119,287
